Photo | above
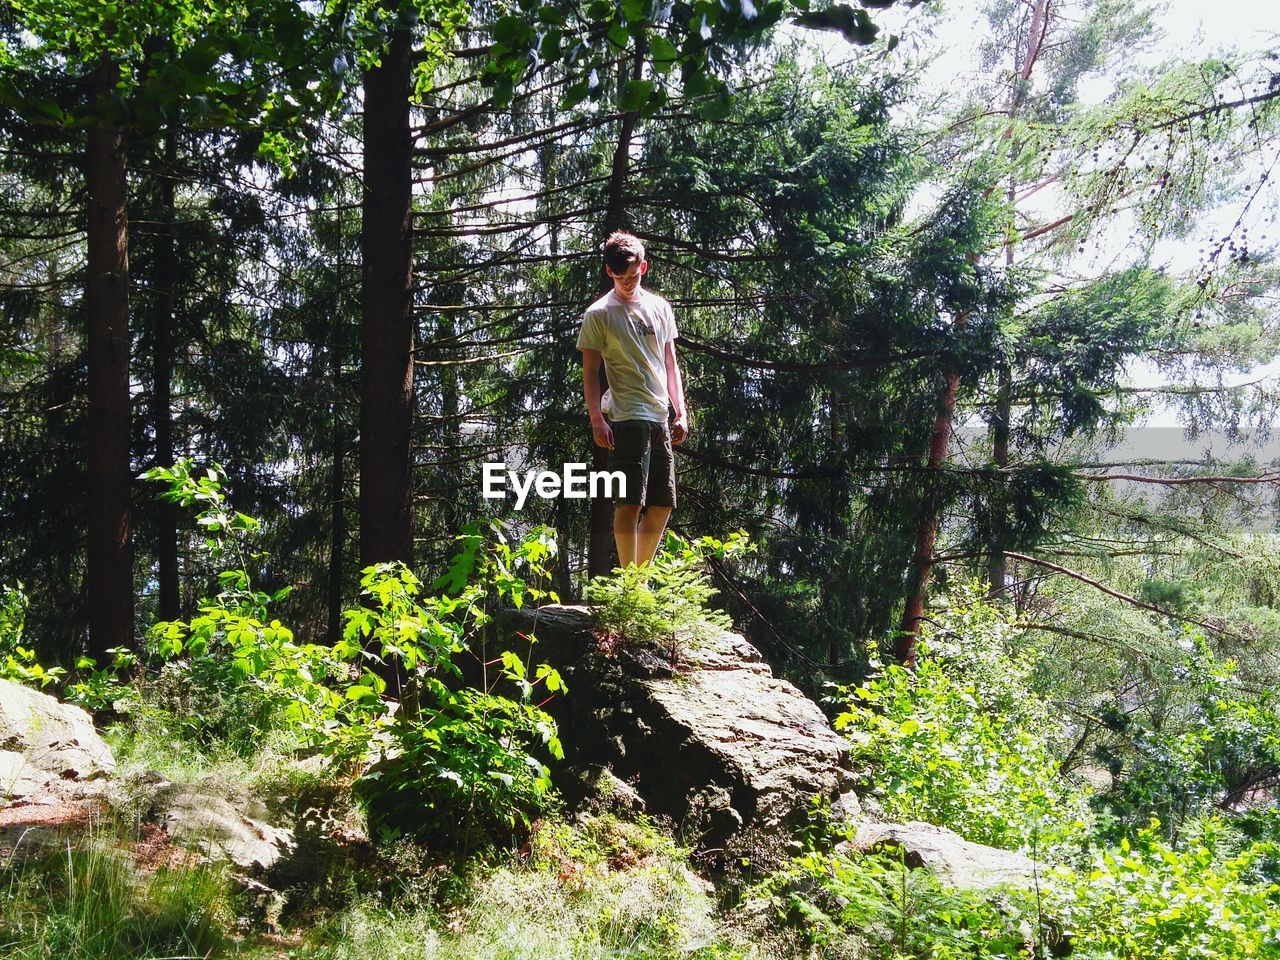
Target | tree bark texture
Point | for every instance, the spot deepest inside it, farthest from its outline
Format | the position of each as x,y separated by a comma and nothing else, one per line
1025,56
109,559
338,447
337,528
904,645
165,298
386,329
996,563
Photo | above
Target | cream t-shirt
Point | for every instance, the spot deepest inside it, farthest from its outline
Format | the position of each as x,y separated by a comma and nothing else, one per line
632,337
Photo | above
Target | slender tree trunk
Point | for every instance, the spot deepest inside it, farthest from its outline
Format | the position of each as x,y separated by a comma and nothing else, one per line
1024,59
337,493
600,548
386,330
835,520
109,560
337,532
1000,455
451,404
166,278
940,440
904,646
562,358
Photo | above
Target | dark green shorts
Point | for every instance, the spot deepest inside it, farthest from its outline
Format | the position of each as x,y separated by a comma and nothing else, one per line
642,451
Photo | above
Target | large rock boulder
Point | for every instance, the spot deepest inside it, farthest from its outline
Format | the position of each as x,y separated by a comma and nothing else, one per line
48,749
222,824
715,741
960,862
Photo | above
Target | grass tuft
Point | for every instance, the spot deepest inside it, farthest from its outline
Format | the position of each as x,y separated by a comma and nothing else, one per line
586,891
89,901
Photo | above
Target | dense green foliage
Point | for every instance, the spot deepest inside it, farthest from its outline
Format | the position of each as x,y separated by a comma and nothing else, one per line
1215,742
234,673
969,741
19,663
1147,899
875,906
916,324
665,604
966,740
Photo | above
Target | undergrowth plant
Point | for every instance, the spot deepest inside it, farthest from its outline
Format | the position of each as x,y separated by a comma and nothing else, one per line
90,902
469,762
874,907
594,888
1211,744
963,740
1147,898
665,604
18,663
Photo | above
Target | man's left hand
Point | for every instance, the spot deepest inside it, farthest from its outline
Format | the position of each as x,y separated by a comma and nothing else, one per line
680,429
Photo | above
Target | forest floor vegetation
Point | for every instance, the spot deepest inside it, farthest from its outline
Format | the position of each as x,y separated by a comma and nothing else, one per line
443,836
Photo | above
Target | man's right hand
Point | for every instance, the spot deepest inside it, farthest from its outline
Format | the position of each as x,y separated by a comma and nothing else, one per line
603,433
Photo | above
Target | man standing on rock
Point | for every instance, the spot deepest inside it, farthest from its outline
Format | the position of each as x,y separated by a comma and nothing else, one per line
634,332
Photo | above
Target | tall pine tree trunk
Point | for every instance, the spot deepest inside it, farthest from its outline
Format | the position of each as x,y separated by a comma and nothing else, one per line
109,560
166,278
337,535
1024,58
337,491
563,356
600,548
386,329
904,645
996,575
927,530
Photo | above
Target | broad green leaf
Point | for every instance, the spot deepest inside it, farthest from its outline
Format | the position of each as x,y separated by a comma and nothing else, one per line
634,94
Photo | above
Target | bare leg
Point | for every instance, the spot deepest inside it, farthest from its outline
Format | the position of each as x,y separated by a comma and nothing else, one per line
649,533
626,517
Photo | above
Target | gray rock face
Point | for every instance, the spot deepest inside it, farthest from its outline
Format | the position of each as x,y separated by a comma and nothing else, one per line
964,864
45,745
203,818
599,790
716,742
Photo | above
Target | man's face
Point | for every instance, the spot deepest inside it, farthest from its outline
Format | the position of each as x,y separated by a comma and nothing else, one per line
627,284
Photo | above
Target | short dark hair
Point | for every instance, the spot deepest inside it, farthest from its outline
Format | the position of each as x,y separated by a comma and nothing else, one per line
621,250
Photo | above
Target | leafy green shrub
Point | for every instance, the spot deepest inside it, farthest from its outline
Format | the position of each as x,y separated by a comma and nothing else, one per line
18,663
1211,745
1151,900
964,741
462,765
465,776
1260,827
99,688
94,688
664,603
449,763
235,672
875,907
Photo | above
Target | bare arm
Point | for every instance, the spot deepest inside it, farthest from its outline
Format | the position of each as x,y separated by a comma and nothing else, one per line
675,391
600,428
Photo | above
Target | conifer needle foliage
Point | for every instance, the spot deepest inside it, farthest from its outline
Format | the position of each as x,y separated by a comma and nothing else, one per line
665,604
